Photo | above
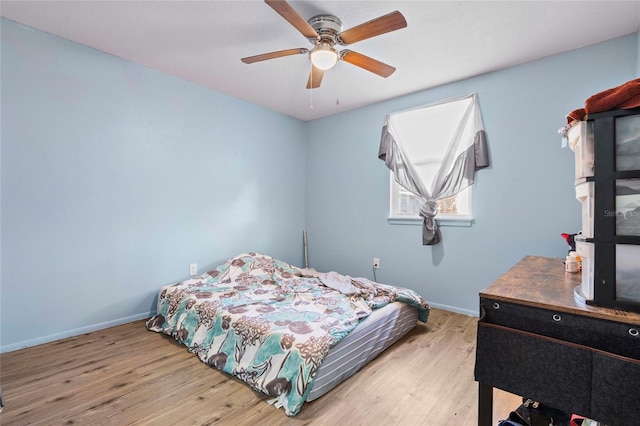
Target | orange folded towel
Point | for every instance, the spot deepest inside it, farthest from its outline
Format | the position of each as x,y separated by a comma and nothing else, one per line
625,96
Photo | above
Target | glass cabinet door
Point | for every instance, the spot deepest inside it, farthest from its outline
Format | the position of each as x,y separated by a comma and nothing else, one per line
627,272
628,207
628,143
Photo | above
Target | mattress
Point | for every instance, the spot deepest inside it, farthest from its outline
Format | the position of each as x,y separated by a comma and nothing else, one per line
266,323
372,336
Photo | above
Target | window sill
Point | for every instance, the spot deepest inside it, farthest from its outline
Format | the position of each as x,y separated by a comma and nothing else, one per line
462,221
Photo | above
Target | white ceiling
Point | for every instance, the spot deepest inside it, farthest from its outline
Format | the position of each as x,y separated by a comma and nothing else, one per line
445,41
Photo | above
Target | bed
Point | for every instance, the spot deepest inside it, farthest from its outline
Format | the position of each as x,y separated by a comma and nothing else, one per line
288,332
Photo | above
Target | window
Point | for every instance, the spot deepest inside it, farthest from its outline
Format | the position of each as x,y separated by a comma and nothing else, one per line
434,151
405,207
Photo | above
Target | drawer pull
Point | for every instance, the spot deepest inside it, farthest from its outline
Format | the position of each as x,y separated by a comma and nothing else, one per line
634,332
496,305
556,317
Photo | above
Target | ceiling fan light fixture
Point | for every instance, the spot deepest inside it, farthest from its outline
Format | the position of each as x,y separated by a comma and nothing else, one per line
323,56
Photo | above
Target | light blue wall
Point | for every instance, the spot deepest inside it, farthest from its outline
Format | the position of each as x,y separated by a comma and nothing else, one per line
115,177
521,203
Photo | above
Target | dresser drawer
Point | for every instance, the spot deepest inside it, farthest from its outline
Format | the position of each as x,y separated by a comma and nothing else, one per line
574,378
616,389
535,366
610,336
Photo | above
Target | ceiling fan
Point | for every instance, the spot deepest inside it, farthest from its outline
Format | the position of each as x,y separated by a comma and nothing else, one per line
324,32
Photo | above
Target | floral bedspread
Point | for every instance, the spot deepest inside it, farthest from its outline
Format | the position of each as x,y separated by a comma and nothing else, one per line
265,322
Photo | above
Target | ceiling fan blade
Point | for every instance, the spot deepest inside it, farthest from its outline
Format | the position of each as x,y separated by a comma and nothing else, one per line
381,25
367,63
315,78
288,13
273,55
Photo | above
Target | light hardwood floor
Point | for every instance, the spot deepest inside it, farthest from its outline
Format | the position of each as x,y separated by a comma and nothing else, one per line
127,375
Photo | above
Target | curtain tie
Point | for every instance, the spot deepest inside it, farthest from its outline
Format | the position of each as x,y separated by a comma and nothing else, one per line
430,232
428,209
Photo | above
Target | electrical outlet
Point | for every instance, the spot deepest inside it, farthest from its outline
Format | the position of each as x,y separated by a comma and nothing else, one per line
193,269
376,262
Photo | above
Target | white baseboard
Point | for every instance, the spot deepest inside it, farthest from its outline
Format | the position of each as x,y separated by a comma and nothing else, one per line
454,309
74,332
95,327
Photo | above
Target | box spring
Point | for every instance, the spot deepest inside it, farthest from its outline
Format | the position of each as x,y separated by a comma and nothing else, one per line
375,334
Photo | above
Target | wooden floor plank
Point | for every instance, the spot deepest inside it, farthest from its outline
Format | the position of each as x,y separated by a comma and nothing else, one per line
127,375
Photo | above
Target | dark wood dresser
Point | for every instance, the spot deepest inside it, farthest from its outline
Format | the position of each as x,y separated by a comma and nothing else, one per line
537,341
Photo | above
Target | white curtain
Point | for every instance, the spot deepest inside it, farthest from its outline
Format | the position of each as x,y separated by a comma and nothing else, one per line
434,152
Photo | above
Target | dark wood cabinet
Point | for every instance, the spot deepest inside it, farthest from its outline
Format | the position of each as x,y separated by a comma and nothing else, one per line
536,340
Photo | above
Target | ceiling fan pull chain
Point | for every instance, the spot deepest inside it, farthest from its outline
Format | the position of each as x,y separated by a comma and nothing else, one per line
311,88
338,85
